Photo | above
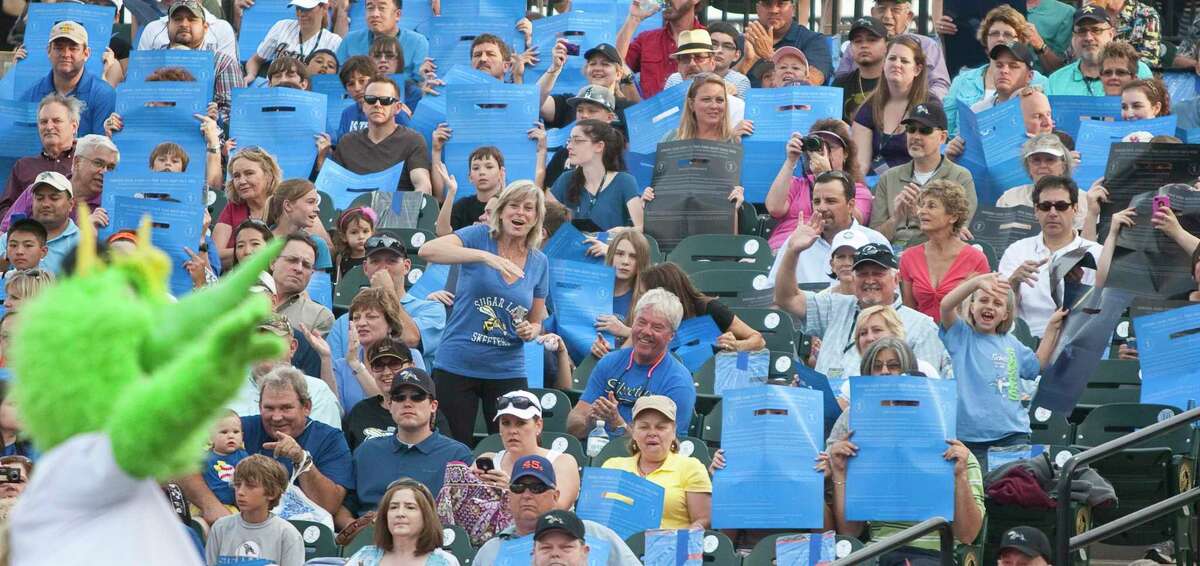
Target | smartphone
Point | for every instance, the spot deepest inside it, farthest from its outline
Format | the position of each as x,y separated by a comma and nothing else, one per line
1160,202
572,48
485,464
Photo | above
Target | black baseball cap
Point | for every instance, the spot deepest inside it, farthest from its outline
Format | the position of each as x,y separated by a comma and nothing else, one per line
413,377
607,50
1093,12
1026,540
927,114
875,253
385,242
870,24
559,520
391,346
1019,51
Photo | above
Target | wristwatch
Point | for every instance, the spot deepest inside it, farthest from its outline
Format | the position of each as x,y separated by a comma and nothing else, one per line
1040,50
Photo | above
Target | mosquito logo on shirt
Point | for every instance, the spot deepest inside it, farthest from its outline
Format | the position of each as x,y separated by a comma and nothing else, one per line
224,471
492,322
495,328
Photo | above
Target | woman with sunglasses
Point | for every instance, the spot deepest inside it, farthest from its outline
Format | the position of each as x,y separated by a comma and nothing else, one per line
930,270
520,417
687,500
500,295
790,199
253,177
877,125
1003,24
407,530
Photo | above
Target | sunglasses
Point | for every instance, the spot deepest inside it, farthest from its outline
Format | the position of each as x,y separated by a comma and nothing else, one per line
1116,73
536,488
372,100
415,397
394,365
914,129
385,242
519,403
1060,206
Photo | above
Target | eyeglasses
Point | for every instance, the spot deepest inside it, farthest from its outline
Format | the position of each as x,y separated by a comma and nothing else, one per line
297,260
1060,206
101,164
915,129
690,57
395,365
415,397
1116,73
519,403
897,10
536,488
1003,35
372,100
573,140
1094,30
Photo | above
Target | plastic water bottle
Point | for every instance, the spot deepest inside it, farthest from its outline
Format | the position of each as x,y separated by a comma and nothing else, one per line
597,440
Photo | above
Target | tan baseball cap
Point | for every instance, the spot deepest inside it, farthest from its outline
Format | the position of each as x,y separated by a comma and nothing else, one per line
69,30
660,403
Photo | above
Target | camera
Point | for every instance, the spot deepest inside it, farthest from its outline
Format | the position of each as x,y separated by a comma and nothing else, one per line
572,48
10,474
812,144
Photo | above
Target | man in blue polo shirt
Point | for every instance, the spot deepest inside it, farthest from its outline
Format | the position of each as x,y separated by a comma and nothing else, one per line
416,450
68,51
643,368
383,18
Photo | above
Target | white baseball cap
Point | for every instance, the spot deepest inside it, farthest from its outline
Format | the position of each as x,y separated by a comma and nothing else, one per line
54,180
521,404
849,237
305,4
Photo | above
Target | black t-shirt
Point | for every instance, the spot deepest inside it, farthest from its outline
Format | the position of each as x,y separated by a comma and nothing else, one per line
719,313
346,263
466,211
855,90
556,166
564,113
368,419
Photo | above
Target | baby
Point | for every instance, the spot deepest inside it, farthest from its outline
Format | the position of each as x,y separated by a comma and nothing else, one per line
226,452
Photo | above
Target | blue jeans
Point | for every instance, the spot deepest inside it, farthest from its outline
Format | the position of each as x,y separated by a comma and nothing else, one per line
980,449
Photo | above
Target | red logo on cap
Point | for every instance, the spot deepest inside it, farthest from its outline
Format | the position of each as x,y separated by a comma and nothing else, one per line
532,464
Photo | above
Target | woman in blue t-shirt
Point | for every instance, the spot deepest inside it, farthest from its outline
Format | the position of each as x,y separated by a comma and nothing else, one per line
598,189
628,253
499,304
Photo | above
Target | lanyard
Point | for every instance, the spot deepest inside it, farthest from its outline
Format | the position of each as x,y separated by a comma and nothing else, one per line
300,41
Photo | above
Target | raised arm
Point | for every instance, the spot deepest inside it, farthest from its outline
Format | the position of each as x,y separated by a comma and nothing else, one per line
787,291
558,57
777,196
991,282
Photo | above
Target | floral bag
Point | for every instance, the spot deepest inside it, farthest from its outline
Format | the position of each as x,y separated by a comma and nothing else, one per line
464,500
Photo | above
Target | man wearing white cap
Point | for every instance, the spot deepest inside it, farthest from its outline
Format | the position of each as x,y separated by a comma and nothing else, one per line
833,214
298,38
68,51
219,37
53,202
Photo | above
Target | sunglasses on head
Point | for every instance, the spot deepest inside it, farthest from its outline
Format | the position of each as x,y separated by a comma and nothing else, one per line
519,403
372,100
536,488
415,397
1060,206
915,129
386,242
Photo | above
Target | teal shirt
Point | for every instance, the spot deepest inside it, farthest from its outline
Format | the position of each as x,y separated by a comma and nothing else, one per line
1053,22
1069,81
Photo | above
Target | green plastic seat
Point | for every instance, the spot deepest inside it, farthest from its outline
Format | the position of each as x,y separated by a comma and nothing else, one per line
318,539
1114,381
1021,331
347,287
656,255
456,541
988,251
710,431
730,283
381,201
411,238
723,553
579,377
549,440
703,252
555,408
763,553
748,221
218,205
364,537
1050,428
326,212
776,327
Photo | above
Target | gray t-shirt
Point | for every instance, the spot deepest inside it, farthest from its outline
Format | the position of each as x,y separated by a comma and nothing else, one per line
274,539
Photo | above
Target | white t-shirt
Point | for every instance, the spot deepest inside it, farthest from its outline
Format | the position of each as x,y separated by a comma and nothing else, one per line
284,39
80,507
220,36
1036,303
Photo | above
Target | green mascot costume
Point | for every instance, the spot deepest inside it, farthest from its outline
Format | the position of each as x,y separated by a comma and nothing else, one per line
118,385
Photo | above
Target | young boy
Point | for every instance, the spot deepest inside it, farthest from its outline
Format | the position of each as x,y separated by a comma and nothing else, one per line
256,533
26,244
487,176
226,452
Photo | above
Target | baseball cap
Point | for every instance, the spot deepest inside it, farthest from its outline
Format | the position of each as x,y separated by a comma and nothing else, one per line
305,4
521,404
693,41
391,346
596,95
660,403
927,114
413,377
1018,50
878,254
870,24
1026,540
1044,144
68,29
849,237
385,242
1094,13
192,6
534,467
607,50
788,51
54,180
278,325
559,520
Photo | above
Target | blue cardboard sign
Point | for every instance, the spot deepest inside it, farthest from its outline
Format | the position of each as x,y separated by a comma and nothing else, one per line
343,186
737,370
174,226
694,341
337,100
993,140
568,243
620,500
320,289
1069,111
806,549
674,547
97,20
18,129
158,112
199,63
1096,138
777,113
900,426
257,21
771,436
584,29
1169,351
450,36
283,121
649,120
581,293
432,109
491,114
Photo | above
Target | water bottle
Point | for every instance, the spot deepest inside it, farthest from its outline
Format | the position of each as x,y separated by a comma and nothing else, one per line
597,440
650,6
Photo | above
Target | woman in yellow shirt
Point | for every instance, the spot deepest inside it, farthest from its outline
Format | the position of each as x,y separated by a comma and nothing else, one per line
688,499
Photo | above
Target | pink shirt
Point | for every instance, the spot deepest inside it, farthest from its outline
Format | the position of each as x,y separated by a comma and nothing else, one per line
914,270
800,209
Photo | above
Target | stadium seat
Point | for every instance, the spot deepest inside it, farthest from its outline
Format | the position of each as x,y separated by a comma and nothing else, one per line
1020,329
481,429
723,553
656,255
1114,381
1050,429
219,202
729,283
1001,518
381,201
347,287
988,251
1147,473
703,252
363,538
318,539
549,440
579,377
327,213
412,238
456,541
555,408
748,223
710,431
776,327
763,553
780,368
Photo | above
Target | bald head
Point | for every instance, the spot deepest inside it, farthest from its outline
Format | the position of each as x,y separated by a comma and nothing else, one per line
1035,110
